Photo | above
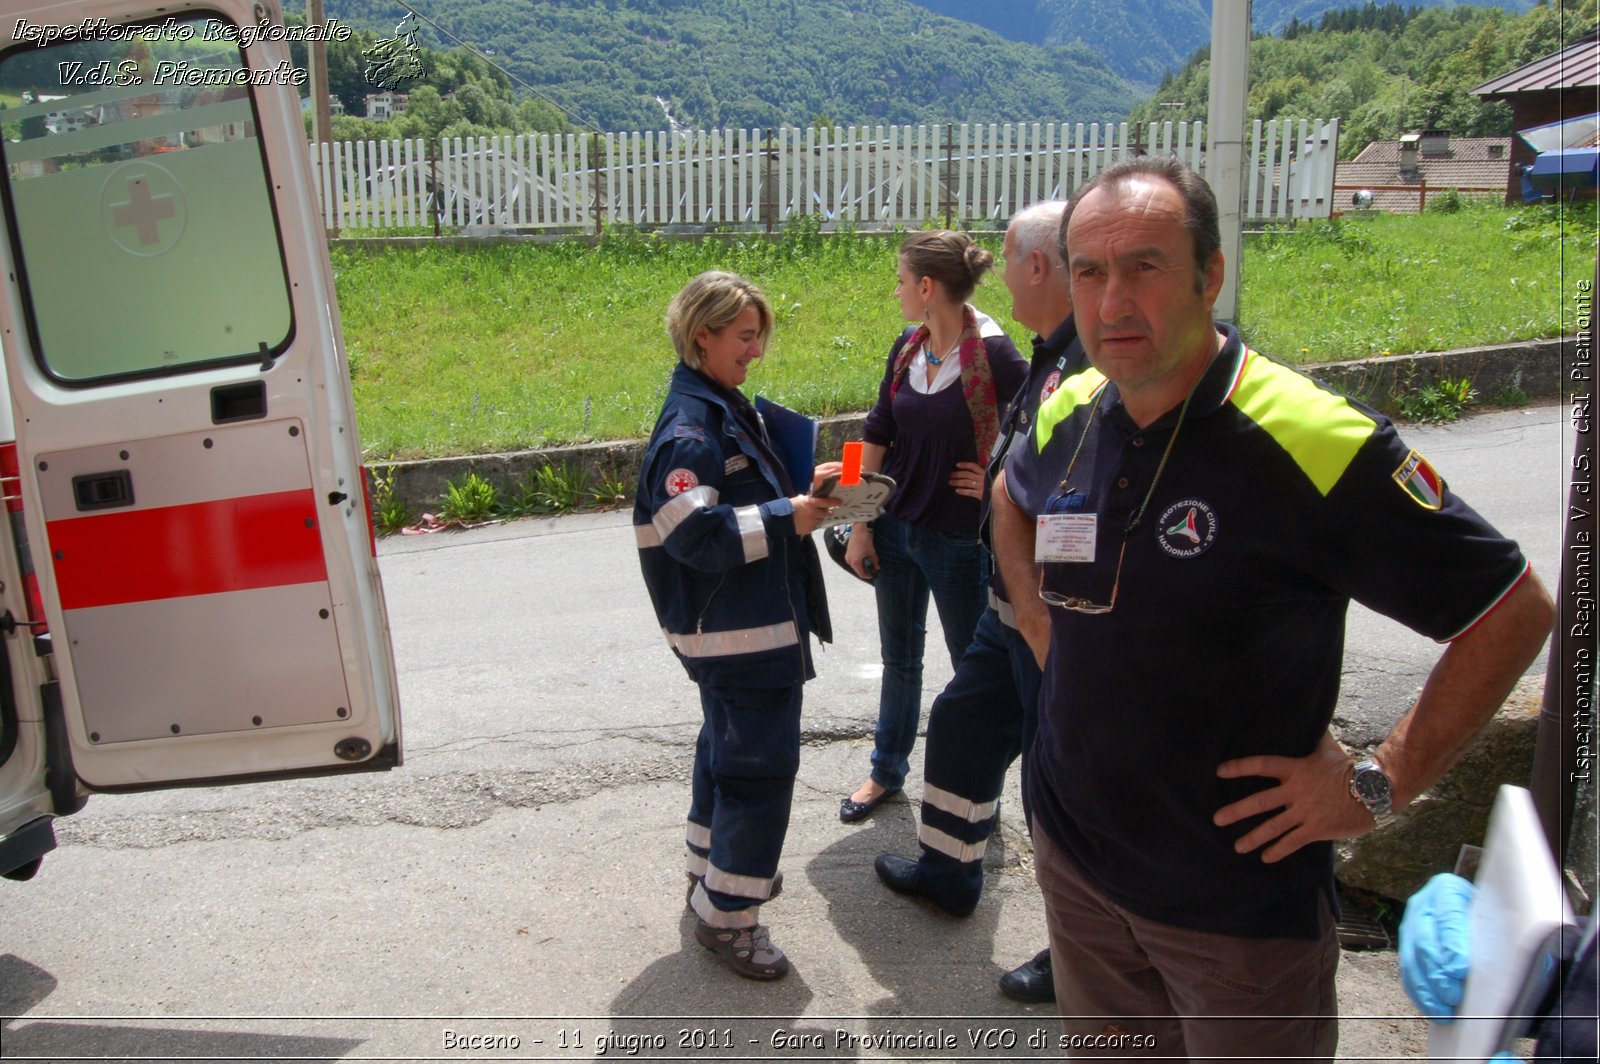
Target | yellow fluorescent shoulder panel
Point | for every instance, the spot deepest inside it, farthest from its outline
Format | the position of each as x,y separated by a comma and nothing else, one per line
1321,431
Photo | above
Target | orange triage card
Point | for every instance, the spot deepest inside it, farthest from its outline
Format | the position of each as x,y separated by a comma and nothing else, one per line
852,465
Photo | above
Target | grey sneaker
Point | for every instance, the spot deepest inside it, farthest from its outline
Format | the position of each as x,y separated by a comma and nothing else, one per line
747,950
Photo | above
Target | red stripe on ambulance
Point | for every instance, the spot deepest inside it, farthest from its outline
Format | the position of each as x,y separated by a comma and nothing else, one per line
203,548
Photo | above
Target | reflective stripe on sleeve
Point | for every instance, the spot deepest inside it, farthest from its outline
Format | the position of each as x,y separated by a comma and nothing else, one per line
952,803
736,641
646,536
678,508
950,846
752,533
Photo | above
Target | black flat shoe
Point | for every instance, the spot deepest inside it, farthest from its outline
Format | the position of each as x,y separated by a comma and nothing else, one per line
1030,982
904,876
851,810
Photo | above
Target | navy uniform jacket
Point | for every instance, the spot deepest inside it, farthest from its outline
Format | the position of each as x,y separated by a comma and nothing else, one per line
735,590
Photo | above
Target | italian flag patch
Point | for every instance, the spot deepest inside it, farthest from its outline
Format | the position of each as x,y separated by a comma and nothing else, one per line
1420,481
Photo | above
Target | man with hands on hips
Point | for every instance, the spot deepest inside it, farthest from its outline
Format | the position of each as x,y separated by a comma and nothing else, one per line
1195,520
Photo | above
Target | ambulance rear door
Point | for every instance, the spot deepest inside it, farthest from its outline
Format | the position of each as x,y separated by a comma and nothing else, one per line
190,468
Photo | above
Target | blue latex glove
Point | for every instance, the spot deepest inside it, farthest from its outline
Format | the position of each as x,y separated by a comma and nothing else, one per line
1433,945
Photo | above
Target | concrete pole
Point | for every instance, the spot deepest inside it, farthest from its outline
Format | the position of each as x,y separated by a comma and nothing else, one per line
1225,114
317,60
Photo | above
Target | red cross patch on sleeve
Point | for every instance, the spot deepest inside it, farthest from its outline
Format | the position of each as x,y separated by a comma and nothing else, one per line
680,481
1051,383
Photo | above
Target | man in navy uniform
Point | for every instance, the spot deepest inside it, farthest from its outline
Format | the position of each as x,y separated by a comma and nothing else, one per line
1195,519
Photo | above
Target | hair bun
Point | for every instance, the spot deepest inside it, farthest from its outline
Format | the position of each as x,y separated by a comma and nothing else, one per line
979,260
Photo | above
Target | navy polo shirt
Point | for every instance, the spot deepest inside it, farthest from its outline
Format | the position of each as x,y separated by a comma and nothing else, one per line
1280,502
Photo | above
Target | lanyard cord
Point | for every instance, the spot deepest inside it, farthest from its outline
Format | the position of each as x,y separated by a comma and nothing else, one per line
1138,515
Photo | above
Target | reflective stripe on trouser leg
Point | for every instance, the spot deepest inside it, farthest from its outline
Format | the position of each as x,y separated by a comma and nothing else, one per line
702,801
974,734
700,902
697,838
744,886
752,751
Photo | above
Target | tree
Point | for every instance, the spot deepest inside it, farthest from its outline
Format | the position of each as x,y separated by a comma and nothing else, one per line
1385,69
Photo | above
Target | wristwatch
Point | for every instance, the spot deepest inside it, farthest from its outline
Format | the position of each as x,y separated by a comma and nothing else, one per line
1370,786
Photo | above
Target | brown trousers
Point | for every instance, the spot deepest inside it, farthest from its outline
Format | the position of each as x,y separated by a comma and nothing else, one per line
1129,986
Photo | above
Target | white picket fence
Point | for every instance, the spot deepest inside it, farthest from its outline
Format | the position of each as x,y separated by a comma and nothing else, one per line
872,177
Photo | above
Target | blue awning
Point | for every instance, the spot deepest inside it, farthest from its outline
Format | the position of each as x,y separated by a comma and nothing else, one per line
1561,172
1571,163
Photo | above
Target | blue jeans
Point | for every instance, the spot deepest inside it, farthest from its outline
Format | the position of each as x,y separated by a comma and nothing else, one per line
912,563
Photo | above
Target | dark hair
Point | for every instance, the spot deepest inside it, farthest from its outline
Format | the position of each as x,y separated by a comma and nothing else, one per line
952,259
1199,203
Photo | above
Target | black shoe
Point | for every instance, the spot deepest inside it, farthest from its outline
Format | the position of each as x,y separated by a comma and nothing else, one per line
851,810
904,876
1030,982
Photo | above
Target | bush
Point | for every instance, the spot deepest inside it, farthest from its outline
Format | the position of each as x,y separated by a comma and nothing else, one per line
471,501
1440,402
1449,201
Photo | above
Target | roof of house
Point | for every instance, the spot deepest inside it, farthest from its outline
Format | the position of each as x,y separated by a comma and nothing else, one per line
1468,163
1575,67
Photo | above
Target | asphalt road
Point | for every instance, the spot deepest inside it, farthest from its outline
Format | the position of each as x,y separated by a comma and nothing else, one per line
520,877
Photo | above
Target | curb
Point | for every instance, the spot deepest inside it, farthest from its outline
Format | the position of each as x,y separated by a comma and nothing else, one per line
1531,366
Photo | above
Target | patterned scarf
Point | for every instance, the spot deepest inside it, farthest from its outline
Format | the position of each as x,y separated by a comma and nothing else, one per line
977,379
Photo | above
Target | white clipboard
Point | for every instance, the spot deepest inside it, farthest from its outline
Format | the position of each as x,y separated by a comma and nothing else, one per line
862,501
1514,927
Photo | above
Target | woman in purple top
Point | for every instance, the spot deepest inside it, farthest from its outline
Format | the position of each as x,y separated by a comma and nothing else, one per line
936,418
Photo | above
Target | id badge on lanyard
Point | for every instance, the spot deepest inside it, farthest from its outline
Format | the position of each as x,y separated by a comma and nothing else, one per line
1064,532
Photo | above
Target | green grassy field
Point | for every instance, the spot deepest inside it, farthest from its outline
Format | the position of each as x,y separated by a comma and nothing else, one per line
494,348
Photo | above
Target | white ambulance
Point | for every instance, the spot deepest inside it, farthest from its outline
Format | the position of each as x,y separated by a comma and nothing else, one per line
188,586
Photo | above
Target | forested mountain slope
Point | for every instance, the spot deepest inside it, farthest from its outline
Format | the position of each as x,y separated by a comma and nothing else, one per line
638,64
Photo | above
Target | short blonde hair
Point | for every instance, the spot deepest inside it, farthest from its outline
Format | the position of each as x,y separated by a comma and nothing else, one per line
712,301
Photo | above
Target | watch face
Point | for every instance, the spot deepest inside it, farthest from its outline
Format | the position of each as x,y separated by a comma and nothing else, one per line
1372,787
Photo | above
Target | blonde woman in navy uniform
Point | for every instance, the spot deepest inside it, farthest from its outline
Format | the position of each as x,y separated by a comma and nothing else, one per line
724,542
